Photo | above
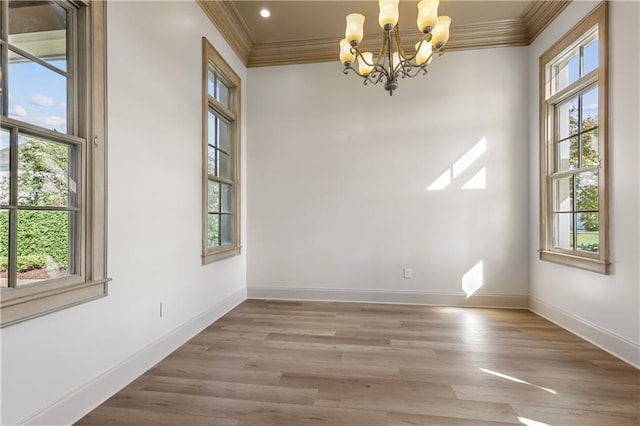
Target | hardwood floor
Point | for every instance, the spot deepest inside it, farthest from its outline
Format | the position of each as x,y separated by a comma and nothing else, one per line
299,363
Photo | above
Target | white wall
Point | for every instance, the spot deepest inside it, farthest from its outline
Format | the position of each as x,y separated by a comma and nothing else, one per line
155,163
338,175
604,309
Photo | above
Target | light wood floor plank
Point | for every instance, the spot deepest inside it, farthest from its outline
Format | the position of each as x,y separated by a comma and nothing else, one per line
286,413
240,391
567,417
405,419
103,416
181,369
531,394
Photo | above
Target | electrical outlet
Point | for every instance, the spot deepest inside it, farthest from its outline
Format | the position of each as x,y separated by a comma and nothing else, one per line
406,272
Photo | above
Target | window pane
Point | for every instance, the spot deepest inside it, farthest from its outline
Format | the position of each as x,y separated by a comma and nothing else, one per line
590,57
223,135
37,95
563,194
214,197
563,231
587,192
39,28
226,229
43,173
224,164
43,245
590,149
568,154
211,161
4,248
5,155
213,235
590,109
211,84
222,93
227,198
211,129
567,118
588,236
568,71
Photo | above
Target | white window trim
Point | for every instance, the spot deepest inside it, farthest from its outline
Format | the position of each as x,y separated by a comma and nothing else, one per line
589,261
23,303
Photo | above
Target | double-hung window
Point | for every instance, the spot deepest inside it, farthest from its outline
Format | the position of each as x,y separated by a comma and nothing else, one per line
574,201
52,156
221,149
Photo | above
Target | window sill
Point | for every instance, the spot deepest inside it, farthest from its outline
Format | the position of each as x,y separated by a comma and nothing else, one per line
21,304
220,255
586,263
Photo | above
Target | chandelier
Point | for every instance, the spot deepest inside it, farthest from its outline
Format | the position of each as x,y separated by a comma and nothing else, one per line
392,61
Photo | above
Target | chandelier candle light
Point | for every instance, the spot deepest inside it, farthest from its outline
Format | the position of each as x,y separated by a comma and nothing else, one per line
392,61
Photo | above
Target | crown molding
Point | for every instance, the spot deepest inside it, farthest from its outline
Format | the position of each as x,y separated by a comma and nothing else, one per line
500,33
506,32
226,18
540,14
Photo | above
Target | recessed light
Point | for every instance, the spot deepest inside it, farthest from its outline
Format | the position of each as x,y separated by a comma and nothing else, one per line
265,13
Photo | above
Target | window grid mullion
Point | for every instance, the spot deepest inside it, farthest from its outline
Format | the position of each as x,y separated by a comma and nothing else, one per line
220,179
12,270
216,178
72,65
574,88
38,61
580,109
47,208
574,217
558,141
5,56
217,108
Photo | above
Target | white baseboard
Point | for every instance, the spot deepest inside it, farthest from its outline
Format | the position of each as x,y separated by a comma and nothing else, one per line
617,346
390,296
73,406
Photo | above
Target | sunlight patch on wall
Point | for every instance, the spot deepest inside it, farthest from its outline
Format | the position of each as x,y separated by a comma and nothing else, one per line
479,181
469,157
473,279
463,163
442,182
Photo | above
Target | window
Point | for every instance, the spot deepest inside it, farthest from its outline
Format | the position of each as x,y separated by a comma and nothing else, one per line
52,157
574,169
221,135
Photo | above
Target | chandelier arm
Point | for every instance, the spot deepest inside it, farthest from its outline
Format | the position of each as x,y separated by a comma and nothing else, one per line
418,70
358,54
382,46
399,44
389,56
375,76
349,67
380,72
412,57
